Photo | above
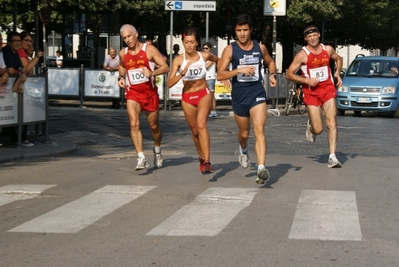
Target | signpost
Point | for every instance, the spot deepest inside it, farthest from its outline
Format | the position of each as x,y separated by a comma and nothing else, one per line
187,5
274,8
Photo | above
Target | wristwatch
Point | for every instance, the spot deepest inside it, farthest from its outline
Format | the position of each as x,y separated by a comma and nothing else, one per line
120,77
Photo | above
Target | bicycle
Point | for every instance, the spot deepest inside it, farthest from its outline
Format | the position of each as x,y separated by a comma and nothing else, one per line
295,99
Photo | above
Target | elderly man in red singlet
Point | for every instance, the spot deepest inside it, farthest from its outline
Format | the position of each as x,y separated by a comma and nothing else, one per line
319,91
137,75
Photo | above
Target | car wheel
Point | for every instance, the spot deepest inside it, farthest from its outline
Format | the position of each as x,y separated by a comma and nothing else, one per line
341,112
395,114
357,113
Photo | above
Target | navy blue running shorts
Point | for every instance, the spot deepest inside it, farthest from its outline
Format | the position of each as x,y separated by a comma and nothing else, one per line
244,99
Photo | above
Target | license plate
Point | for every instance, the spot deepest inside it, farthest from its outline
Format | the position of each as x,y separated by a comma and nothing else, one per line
364,100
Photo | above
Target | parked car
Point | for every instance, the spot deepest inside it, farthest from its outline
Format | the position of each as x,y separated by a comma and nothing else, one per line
371,83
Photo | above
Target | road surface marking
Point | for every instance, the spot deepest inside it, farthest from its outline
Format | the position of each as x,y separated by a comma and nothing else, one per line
14,192
82,212
208,214
326,215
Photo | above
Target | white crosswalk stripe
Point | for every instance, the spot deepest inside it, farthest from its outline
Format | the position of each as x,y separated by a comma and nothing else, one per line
82,212
208,214
320,214
14,192
326,215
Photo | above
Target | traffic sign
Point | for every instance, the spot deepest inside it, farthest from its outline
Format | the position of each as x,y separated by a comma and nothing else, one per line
190,5
45,15
274,7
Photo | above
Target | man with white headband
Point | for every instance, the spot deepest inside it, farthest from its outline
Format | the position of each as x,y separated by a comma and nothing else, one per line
319,90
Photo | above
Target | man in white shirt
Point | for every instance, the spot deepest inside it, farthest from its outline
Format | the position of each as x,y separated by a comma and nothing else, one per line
58,59
111,61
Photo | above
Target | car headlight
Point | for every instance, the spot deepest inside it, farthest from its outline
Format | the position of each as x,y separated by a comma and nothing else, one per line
343,89
388,90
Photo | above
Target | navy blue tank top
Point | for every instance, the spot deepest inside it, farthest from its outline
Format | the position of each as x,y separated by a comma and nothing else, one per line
242,58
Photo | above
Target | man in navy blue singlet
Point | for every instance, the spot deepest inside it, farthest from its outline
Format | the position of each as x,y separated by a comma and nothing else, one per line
248,94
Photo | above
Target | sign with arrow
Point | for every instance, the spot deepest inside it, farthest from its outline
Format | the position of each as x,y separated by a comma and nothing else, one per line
190,5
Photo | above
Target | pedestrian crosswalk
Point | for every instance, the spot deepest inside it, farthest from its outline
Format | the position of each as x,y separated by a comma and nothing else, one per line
208,214
11,193
320,214
78,214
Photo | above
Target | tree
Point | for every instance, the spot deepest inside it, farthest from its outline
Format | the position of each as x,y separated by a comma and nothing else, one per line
372,24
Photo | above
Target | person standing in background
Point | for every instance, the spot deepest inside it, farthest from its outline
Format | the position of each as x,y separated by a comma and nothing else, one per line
210,77
25,51
111,63
3,74
14,64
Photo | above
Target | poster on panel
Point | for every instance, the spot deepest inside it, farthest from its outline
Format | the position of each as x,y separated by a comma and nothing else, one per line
101,83
8,103
34,100
63,81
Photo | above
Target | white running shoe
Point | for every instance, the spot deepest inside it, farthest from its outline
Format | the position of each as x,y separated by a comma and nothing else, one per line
333,162
213,114
141,164
27,143
262,176
243,159
309,135
158,161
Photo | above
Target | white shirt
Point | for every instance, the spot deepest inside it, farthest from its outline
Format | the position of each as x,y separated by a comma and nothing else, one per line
58,61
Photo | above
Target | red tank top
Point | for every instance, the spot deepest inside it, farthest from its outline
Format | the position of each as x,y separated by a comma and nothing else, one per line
317,66
135,79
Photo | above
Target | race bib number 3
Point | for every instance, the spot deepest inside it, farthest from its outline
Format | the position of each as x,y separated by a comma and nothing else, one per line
136,76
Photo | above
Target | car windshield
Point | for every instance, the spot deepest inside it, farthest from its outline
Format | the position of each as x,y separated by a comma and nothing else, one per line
373,68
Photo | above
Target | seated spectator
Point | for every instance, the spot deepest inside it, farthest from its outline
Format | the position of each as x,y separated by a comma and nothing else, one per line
59,60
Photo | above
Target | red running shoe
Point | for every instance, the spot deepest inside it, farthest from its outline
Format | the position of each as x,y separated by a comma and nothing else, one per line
202,164
208,167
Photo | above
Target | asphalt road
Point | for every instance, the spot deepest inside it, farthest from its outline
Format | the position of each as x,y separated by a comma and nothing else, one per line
90,208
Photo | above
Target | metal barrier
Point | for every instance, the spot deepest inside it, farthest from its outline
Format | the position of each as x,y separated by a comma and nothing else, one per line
88,83
29,107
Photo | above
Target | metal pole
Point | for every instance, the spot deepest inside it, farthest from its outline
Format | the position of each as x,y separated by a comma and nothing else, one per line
207,27
53,35
166,91
274,37
44,46
45,126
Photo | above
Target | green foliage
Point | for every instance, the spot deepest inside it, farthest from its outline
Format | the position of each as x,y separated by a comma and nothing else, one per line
369,23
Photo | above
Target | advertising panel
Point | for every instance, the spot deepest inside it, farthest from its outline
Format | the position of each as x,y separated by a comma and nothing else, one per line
63,81
101,83
8,103
34,100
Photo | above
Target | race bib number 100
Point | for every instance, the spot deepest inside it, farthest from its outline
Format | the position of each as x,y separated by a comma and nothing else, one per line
136,76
